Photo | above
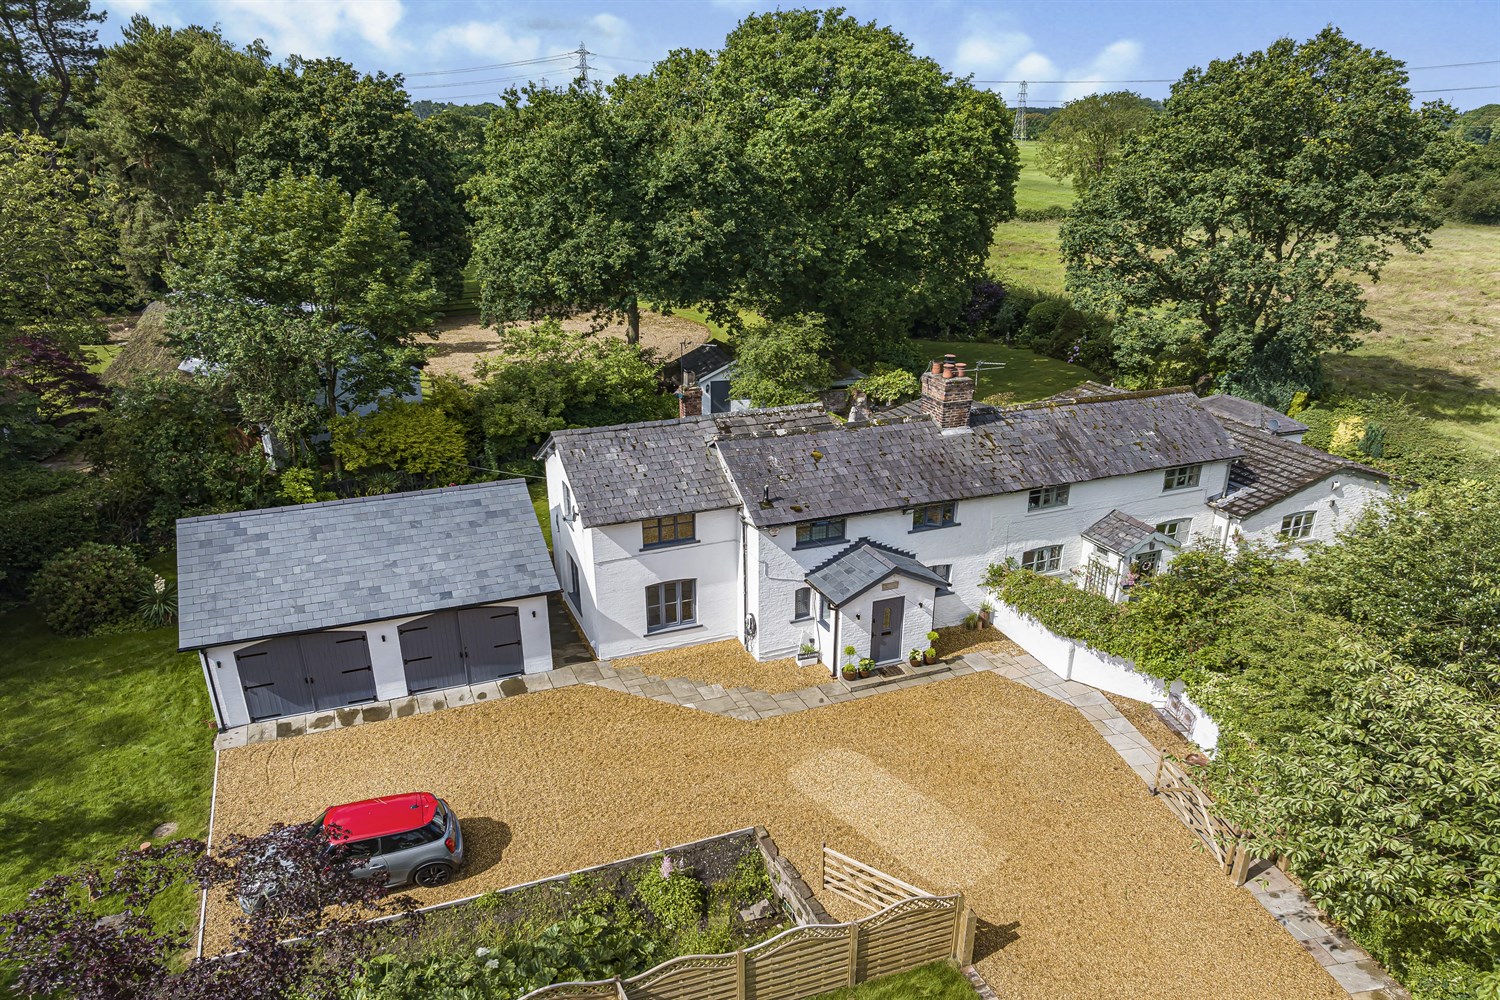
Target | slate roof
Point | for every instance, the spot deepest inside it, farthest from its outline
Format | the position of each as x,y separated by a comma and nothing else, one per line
703,360
1273,468
842,470
260,573
662,467
1118,532
861,566
1251,414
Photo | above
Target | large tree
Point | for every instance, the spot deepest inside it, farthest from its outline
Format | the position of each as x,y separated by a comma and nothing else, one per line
322,117
174,110
1238,223
47,53
877,179
303,299
54,249
1083,140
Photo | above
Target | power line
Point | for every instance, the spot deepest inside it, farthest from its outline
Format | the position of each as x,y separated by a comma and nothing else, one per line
1449,90
493,66
470,83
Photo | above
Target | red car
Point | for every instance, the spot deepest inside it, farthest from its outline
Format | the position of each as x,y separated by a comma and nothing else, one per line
414,837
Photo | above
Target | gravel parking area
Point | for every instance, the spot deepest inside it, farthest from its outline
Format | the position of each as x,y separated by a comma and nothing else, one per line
1085,887
728,665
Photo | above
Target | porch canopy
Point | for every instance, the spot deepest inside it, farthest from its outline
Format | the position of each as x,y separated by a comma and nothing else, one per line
1126,536
863,565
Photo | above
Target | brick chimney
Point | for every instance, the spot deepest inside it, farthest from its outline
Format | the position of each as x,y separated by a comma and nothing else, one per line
947,393
690,396
859,410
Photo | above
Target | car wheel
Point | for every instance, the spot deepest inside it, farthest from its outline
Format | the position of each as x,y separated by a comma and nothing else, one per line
435,874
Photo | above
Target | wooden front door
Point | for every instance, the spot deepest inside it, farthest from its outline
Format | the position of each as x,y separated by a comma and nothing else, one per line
885,629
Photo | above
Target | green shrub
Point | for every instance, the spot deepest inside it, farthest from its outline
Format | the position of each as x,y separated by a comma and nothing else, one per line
1393,435
42,514
1061,607
415,438
89,586
300,485
678,900
888,384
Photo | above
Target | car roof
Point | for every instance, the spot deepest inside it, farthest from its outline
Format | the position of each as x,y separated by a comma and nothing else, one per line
379,817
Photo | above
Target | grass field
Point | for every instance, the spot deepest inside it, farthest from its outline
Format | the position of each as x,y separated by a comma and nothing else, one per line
101,740
100,355
1035,189
1025,377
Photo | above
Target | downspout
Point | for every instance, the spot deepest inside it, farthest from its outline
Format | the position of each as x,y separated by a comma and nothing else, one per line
744,582
837,617
213,692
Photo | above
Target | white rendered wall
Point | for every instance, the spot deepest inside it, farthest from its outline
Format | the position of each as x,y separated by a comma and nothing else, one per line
1072,660
857,615
1336,510
385,657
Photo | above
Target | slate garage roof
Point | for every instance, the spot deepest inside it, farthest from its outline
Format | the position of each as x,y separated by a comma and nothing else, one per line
259,573
1273,468
861,566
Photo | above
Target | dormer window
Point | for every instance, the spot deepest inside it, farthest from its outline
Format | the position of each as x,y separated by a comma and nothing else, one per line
1182,477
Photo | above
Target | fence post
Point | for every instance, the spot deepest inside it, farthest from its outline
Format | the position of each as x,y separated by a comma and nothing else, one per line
823,866
853,954
965,926
1241,871
741,987
620,990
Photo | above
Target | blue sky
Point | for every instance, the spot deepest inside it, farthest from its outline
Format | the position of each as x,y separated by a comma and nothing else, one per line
1002,41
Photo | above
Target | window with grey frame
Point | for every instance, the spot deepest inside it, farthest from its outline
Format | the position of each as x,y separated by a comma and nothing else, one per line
671,605
802,604
1047,559
1298,525
1046,497
823,532
944,570
675,529
933,515
1182,477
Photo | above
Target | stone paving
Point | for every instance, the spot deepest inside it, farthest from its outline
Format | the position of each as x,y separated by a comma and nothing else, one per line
1349,965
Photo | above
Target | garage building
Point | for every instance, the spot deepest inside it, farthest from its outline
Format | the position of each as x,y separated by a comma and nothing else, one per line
321,606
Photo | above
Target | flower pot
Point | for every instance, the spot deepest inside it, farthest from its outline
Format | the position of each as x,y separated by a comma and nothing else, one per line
864,673
984,617
803,659
851,674
915,661
929,658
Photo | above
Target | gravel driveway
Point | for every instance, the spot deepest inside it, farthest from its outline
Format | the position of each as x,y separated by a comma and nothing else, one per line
1085,887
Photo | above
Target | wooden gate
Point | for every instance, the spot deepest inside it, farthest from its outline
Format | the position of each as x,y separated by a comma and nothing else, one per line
859,883
1195,808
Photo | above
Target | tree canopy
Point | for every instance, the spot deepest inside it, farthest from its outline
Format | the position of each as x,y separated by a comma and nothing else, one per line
1232,233
47,53
324,118
1083,140
304,300
175,109
783,362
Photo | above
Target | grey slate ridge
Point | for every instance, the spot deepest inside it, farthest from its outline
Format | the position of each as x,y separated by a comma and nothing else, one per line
1119,532
840,470
630,472
1252,414
861,566
1273,468
259,573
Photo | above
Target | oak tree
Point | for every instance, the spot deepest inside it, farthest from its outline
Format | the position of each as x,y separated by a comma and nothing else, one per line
1082,141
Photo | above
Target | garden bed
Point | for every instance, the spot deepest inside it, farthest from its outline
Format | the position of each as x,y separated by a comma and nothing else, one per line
707,897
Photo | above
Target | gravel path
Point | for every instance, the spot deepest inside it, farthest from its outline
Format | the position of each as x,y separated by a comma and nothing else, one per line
1085,887
728,665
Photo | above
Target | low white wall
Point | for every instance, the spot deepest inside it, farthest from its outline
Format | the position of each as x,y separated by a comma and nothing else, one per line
1072,660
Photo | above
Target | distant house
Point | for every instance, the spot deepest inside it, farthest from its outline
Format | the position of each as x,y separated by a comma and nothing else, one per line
712,367
785,526
321,606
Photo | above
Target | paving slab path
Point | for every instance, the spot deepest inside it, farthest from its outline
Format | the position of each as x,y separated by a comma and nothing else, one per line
1355,972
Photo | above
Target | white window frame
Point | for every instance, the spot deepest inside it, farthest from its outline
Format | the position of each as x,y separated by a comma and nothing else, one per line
1182,477
1298,525
1047,498
1176,525
1050,560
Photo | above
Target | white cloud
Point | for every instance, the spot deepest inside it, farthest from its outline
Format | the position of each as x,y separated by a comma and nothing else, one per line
1033,66
609,26
490,39
313,27
1118,60
988,53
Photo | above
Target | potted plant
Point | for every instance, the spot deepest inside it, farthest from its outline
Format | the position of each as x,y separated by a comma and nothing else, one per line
986,611
866,667
851,666
971,621
806,653
929,655
915,657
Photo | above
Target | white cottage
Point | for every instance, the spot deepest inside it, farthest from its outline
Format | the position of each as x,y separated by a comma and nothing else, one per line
787,527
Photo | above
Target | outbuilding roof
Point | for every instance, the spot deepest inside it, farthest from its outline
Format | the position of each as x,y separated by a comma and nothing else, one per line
842,470
1274,468
702,361
260,573
861,566
662,467
1118,532
1252,414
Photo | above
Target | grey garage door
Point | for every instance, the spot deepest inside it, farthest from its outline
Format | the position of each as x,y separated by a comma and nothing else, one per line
305,673
453,648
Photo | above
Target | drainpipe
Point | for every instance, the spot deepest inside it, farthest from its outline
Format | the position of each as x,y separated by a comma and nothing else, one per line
744,581
837,617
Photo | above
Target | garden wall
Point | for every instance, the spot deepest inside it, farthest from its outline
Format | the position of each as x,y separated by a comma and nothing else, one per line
1074,661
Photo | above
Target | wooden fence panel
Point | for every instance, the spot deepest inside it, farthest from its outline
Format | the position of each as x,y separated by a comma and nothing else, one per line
911,933
608,989
859,883
804,963
1195,808
692,977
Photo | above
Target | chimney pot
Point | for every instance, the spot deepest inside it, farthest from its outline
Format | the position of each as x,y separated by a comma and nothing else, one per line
947,369
961,366
936,367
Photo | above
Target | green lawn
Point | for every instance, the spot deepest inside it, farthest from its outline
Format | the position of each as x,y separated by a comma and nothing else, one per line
1035,189
101,740
538,490
938,981
1026,376
1028,254
100,355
